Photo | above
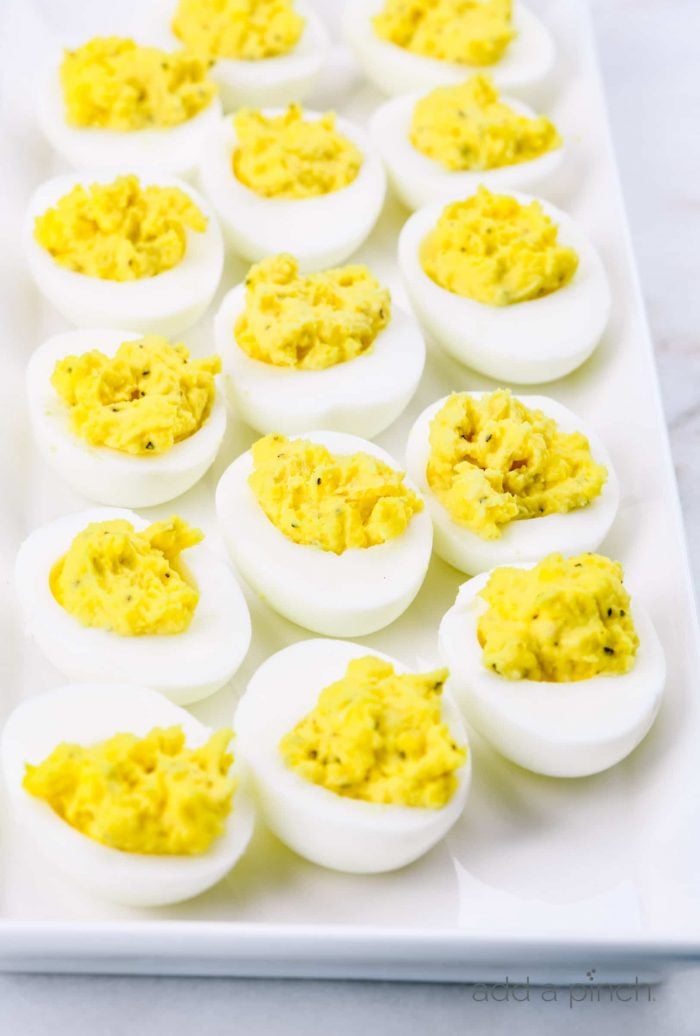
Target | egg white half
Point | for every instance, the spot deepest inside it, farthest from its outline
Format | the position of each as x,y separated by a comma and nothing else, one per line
419,180
524,68
87,714
530,539
341,833
363,396
269,81
185,667
172,150
98,472
166,304
320,231
569,729
340,595
525,343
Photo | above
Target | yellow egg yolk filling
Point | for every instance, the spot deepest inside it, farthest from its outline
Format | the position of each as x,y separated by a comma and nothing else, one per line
113,83
144,399
314,322
331,502
150,795
246,30
119,231
493,461
467,127
565,619
467,32
379,737
127,582
288,156
494,250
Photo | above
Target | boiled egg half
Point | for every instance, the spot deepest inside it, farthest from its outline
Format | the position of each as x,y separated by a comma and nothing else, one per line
321,229
167,302
270,80
325,491
102,473
524,67
420,178
580,466
572,726
170,147
330,829
185,666
88,714
538,339
306,382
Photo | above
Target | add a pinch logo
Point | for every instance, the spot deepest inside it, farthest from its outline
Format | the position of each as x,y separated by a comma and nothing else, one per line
591,991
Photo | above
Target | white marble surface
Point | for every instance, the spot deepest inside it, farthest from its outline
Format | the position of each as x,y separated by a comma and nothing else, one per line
649,59
648,52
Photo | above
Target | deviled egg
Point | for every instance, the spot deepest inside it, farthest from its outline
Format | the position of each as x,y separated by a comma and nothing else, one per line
293,181
125,422
507,284
443,145
106,249
112,102
262,52
327,530
125,793
358,764
509,479
553,664
329,350
102,591
403,47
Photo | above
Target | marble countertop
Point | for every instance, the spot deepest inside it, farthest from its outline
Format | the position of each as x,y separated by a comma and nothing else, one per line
650,69
649,60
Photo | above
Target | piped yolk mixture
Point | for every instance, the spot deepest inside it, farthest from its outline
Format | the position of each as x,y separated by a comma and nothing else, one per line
245,30
467,127
565,619
468,32
331,502
150,795
379,737
113,83
495,250
288,156
119,231
314,322
144,399
127,582
493,460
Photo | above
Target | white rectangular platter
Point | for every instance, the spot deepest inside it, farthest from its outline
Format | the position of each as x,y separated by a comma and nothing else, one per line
540,878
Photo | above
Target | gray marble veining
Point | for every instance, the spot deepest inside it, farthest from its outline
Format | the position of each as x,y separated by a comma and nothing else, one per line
648,52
